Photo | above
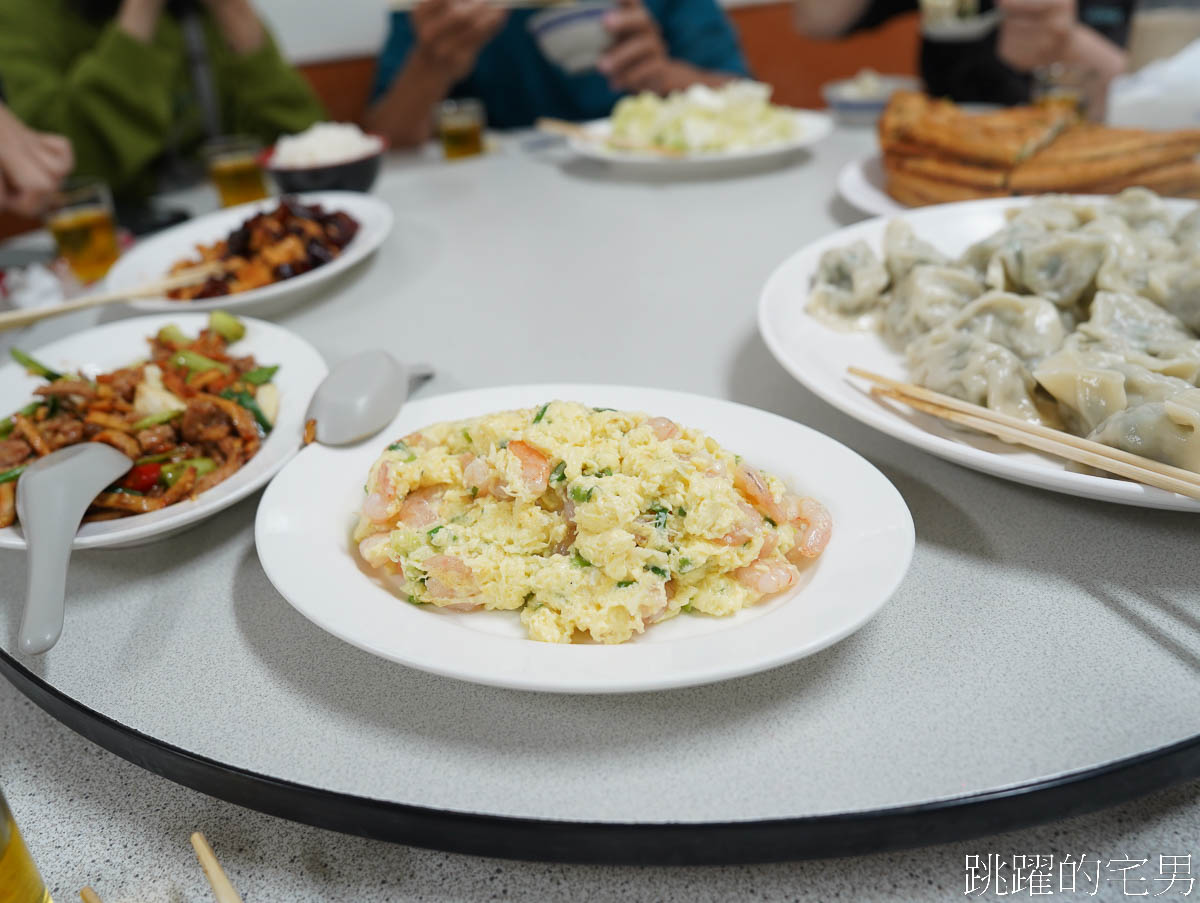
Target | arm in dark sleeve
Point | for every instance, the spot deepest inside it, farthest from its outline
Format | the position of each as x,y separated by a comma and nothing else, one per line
395,51
699,33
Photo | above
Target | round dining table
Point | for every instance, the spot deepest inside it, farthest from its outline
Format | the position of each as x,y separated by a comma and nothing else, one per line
1022,712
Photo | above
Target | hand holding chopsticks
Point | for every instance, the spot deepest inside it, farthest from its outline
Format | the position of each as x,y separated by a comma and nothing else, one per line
11,319
1036,436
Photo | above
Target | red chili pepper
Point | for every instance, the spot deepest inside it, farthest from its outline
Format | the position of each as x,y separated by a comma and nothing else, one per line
143,477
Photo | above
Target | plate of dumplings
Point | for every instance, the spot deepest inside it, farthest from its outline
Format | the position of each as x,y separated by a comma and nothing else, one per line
1080,313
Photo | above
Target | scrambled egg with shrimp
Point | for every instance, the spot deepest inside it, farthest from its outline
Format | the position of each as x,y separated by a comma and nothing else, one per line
592,523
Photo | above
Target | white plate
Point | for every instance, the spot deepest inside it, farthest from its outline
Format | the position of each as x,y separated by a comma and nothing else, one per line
812,127
818,355
150,260
860,183
119,344
307,513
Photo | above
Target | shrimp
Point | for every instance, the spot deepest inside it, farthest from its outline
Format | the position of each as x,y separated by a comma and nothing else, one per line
372,549
535,467
753,487
479,475
814,525
663,428
420,507
375,506
449,578
767,576
745,528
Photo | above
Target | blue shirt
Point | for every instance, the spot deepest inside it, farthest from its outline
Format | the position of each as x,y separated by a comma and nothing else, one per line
517,84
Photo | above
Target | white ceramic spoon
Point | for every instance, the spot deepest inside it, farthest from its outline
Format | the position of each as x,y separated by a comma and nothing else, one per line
52,496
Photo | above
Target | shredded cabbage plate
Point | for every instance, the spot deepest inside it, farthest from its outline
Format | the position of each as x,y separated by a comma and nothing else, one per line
736,116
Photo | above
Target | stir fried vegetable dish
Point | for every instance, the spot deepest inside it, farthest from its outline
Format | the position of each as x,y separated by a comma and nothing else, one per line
270,247
189,417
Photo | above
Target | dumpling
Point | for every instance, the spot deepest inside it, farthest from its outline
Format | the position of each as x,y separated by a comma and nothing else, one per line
1141,332
1167,431
902,250
1059,267
1143,210
975,370
1187,233
928,295
1027,325
1177,288
1092,386
1053,213
849,283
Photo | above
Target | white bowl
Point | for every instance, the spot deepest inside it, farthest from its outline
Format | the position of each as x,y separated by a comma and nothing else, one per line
574,37
855,108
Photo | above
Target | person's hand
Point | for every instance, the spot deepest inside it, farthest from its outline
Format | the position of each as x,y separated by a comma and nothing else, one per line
637,59
32,164
451,33
1035,33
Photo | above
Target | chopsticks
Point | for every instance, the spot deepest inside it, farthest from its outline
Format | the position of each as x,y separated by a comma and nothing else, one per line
1036,436
11,319
566,129
221,887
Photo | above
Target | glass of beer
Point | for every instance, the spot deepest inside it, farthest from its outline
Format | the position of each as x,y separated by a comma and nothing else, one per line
233,167
81,220
19,878
461,125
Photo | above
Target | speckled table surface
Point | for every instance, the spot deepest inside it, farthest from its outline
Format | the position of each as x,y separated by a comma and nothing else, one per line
963,684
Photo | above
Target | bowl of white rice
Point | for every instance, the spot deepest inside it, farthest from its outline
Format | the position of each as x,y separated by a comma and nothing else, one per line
328,156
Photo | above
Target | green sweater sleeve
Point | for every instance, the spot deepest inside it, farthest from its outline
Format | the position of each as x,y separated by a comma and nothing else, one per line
262,95
113,102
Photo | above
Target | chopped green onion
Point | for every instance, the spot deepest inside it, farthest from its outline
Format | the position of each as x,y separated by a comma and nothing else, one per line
171,335
684,564
579,561
624,583
474,491
528,596
226,325
35,367
407,454
681,511
415,601
171,473
686,609
9,475
155,459
260,375
602,410
155,420
606,472
655,569
769,521
467,435
434,531
660,515
579,494
541,413
559,473
197,363
7,424
246,400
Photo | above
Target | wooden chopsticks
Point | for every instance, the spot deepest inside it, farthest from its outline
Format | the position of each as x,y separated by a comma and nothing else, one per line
566,129
1034,435
217,879
222,889
10,319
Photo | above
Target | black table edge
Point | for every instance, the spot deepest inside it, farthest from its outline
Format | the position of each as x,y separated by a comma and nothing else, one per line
712,843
